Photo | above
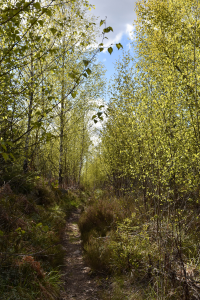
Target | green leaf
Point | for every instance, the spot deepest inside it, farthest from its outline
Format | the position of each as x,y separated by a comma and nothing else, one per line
72,75
5,156
37,124
3,146
41,22
85,75
37,5
88,71
86,62
108,29
45,228
18,4
33,21
12,156
95,121
74,94
119,45
53,30
1,233
77,80
110,50
93,117
48,12
99,114
102,22
101,106
101,49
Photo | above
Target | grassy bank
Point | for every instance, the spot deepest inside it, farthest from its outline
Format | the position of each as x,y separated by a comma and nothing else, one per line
32,219
141,254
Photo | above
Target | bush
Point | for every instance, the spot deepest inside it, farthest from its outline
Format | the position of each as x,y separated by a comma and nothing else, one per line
101,216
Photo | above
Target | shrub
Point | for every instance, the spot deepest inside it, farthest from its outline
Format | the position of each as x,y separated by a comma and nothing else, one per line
43,194
98,254
102,215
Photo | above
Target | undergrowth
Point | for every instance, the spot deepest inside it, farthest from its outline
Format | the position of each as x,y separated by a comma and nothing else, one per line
32,218
143,255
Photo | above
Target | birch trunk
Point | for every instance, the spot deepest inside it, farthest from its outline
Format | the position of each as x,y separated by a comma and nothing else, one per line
30,110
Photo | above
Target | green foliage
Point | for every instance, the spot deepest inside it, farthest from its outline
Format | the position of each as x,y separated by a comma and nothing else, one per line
44,84
97,218
131,249
110,50
119,45
31,225
102,214
107,29
102,22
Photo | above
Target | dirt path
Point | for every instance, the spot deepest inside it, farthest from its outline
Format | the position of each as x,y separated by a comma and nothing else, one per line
78,283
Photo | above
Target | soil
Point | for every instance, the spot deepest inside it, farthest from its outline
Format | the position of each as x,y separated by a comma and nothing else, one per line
79,283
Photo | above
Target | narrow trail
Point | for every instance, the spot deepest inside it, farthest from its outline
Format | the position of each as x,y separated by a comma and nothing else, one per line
78,284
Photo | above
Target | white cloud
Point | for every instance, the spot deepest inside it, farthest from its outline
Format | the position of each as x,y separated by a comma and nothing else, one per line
129,30
96,127
120,15
114,41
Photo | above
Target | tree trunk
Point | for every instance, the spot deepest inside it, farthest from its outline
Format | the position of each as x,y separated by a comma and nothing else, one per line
62,120
82,150
30,110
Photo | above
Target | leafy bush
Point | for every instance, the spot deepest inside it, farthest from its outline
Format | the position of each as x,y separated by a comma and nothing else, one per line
101,216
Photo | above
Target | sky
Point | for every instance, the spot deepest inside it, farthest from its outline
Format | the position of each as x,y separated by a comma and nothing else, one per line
120,16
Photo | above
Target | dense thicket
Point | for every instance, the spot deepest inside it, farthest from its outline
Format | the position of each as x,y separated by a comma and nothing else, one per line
149,146
49,83
152,134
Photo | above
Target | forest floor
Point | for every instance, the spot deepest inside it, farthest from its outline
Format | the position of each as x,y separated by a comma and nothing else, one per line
79,284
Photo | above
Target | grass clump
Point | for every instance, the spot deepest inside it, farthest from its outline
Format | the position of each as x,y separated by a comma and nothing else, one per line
100,216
